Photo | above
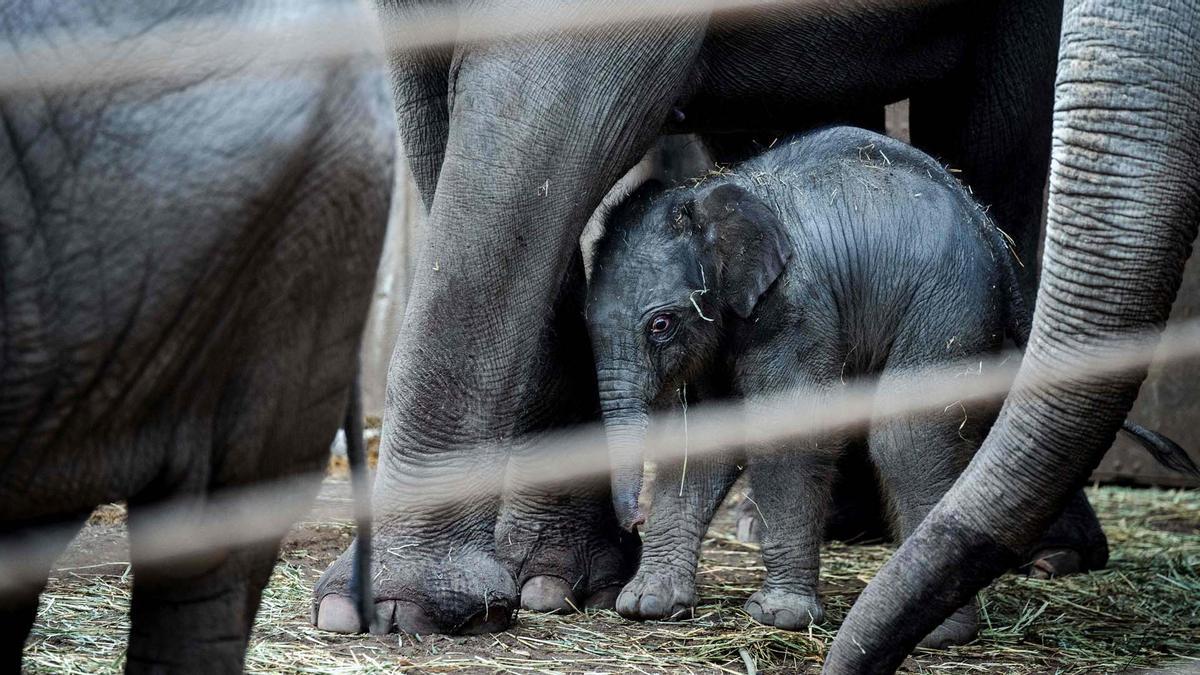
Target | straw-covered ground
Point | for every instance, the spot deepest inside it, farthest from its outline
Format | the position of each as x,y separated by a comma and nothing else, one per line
1144,610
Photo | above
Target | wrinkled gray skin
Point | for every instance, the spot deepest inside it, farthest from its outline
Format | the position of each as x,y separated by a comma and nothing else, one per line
512,146
838,254
186,269
1124,205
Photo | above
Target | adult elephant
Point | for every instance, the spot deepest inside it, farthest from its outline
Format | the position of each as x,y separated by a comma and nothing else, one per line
1124,205
185,270
513,144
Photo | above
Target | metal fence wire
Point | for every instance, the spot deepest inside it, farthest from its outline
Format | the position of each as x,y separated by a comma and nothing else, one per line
311,33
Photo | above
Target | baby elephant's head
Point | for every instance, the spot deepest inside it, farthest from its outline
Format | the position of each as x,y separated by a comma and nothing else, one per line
672,271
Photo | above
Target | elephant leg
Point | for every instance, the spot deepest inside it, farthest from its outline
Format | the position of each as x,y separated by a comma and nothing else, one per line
792,488
682,506
562,544
991,121
792,481
747,521
39,544
1074,543
194,612
918,459
195,615
538,131
856,513
420,82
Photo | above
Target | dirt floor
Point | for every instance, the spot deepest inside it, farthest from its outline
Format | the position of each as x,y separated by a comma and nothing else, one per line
1143,611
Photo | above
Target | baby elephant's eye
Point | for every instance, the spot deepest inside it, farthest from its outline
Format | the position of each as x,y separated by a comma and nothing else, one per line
660,326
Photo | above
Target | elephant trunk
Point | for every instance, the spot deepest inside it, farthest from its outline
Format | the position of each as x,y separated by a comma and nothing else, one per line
1121,220
625,420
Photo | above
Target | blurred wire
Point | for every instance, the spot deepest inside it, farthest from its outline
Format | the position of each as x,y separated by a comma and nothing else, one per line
175,530
299,33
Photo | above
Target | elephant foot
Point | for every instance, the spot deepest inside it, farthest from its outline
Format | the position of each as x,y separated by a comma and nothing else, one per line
458,593
657,594
786,610
1073,544
566,558
1056,562
959,629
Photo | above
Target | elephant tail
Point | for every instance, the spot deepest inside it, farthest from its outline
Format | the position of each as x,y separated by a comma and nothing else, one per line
1164,450
356,457
1019,323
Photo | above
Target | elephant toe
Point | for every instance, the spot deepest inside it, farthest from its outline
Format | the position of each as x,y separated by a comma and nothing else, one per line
492,619
337,614
549,594
1056,562
655,596
413,619
425,594
785,610
651,606
409,617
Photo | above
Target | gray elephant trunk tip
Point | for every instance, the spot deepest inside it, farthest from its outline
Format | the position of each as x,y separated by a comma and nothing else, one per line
626,490
629,516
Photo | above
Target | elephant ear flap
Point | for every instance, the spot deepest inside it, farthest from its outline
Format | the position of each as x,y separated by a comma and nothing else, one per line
751,243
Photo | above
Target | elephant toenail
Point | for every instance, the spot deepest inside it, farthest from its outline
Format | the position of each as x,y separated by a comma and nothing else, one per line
384,617
337,614
785,619
494,619
651,606
410,618
548,594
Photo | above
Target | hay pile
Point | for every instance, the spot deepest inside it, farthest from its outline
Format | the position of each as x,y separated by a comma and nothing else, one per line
1142,611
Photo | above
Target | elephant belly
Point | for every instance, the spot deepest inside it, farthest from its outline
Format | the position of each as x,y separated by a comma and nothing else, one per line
800,68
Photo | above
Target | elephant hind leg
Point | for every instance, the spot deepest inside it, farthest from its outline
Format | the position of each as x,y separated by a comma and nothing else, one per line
1075,543
919,457
32,548
193,615
856,512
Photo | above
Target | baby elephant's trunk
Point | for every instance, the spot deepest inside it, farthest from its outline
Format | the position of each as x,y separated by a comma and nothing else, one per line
625,426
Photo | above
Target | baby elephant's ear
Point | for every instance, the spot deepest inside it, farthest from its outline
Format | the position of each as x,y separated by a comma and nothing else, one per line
751,243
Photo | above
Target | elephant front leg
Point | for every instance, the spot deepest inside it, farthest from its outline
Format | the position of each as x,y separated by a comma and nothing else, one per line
684,501
562,543
34,548
792,488
538,131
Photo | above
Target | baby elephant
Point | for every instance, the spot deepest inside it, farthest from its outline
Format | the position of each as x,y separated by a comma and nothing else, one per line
836,254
